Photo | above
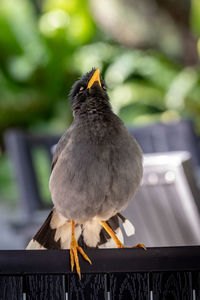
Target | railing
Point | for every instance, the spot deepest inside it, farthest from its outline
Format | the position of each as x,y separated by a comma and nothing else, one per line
170,273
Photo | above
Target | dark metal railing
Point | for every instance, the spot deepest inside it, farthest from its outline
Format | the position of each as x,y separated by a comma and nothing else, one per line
169,273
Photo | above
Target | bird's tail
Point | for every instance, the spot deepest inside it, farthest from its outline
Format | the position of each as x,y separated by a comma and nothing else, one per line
55,233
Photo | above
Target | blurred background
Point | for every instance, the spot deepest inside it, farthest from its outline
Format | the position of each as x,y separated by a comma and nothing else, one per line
148,52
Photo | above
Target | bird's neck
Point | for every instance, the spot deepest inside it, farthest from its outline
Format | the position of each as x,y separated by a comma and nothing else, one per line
97,121
93,111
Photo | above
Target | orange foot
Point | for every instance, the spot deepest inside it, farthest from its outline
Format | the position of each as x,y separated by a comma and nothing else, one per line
140,245
115,238
74,249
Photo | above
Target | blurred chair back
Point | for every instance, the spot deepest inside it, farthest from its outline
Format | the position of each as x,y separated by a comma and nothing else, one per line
177,136
19,146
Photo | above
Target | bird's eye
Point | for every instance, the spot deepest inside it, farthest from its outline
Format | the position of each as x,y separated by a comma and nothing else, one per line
103,87
81,89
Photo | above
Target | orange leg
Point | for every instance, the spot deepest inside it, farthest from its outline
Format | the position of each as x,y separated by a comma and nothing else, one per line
74,249
115,238
112,234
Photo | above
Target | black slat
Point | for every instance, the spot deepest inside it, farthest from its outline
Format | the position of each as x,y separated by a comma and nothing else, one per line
129,286
196,284
103,260
90,287
172,286
11,288
45,287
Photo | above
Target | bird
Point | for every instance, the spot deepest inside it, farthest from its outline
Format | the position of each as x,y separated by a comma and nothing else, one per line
96,171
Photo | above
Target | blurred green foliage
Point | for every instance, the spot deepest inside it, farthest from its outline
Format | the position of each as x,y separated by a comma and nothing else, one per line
42,54
36,68
8,187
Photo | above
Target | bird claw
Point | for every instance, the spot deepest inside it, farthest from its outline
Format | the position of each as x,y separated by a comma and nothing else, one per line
140,245
74,249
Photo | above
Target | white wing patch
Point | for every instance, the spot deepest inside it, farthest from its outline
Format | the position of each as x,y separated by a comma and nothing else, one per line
34,245
91,232
57,220
128,227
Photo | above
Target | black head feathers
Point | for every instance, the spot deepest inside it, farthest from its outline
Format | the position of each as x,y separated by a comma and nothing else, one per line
88,90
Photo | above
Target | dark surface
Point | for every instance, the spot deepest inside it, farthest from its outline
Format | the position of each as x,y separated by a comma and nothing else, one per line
91,287
177,285
11,287
123,286
196,283
125,274
45,287
129,286
103,260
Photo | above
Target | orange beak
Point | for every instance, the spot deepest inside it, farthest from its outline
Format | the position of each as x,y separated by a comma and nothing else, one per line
95,77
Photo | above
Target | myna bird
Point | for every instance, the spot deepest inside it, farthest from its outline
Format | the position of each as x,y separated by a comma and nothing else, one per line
96,171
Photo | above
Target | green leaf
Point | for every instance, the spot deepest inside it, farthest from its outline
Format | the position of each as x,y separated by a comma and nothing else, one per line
195,16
